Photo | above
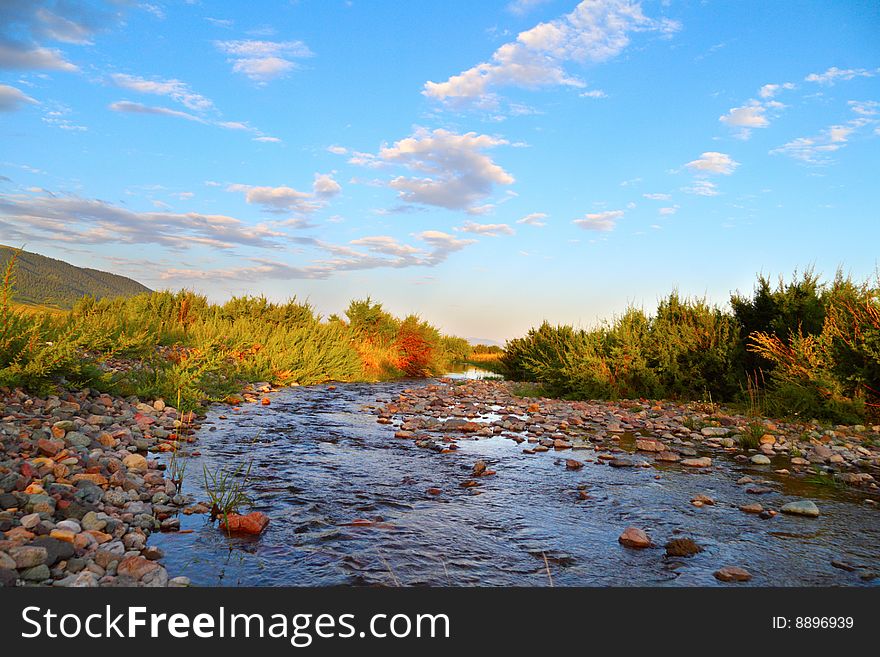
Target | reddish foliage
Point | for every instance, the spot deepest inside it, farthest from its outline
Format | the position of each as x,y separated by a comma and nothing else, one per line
414,352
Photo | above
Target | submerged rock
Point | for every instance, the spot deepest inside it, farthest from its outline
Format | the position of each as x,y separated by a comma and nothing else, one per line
801,508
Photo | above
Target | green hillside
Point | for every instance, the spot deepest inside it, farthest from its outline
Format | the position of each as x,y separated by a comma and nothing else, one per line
48,282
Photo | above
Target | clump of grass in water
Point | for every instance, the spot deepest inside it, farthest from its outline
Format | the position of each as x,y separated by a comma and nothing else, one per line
226,489
823,479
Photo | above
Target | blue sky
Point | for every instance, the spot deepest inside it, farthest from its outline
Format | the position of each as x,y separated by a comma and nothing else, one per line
487,165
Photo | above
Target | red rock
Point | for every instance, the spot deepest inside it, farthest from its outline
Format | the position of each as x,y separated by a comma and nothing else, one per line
266,401
434,491
253,523
573,464
635,538
49,447
135,567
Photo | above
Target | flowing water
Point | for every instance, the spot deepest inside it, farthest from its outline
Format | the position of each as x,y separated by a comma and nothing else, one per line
320,461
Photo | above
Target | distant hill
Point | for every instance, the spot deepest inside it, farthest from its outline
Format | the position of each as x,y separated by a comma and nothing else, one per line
48,282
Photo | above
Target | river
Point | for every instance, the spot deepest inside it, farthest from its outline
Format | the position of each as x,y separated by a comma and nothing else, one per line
320,461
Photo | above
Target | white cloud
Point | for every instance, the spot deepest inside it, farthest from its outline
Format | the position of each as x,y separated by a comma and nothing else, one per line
51,217
712,163
864,107
283,199
129,107
835,74
534,219
770,90
12,99
277,199
669,210
701,188
449,170
271,140
17,57
174,89
263,61
595,31
816,150
747,116
325,186
599,221
657,197
490,230
594,93
381,251
337,150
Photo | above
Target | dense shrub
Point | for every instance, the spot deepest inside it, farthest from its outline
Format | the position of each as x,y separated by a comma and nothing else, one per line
814,347
177,343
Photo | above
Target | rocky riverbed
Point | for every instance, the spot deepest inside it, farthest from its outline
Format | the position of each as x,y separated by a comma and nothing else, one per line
444,482
81,489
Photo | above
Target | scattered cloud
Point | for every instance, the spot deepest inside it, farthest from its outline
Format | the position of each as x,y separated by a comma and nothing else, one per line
263,61
337,150
129,107
325,186
24,24
600,221
669,210
593,93
769,91
174,89
864,107
449,170
816,150
657,197
489,230
713,163
595,31
70,218
379,251
754,113
835,74
282,200
534,219
701,188
12,99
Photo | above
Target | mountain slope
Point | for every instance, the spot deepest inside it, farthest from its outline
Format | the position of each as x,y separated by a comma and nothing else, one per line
45,281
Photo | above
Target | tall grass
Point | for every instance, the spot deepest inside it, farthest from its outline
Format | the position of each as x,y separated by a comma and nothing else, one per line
177,343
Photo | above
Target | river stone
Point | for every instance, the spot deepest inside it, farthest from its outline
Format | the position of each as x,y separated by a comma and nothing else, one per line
7,577
77,439
733,574
56,550
30,521
702,462
135,463
801,508
90,521
6,561
682,547
635,538
28,556
36,574
760,459
715,431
